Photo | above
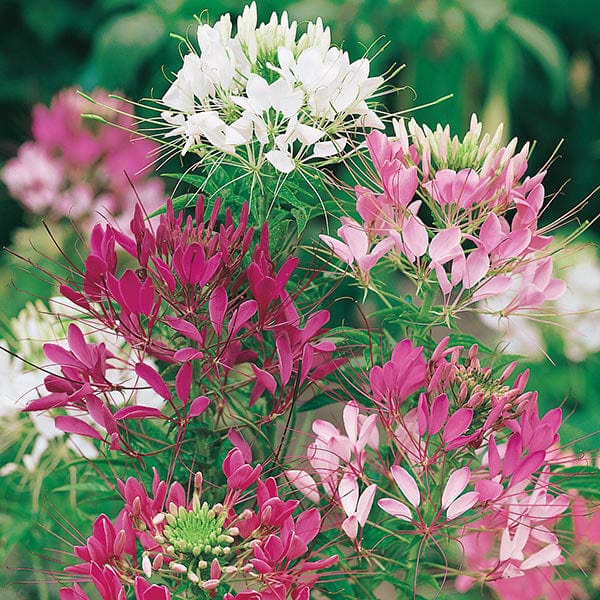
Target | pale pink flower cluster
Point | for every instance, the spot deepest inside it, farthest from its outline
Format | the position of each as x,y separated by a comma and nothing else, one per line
87,171
461,214
469,457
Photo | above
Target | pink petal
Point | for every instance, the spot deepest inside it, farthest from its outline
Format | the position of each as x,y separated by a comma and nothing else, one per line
356,238
445,245
350,526
348,493
546,556
395,508
462,505
341,250
477,266
457,482
365,503
415,237
351,421
406,484
494,286
304,483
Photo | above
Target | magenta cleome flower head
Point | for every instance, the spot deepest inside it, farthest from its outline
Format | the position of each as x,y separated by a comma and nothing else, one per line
249,545
203,300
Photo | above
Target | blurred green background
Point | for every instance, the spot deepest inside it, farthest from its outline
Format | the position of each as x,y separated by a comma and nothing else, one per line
530,63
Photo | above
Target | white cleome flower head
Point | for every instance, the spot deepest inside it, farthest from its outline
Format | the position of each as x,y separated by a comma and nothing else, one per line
268,96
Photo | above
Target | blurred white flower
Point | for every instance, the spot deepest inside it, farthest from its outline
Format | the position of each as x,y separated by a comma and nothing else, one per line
575,315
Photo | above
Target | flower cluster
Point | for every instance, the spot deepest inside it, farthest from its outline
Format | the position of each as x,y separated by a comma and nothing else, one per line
262,95
34,335
462,450
206,304
573,315
84,170
248,546
459,213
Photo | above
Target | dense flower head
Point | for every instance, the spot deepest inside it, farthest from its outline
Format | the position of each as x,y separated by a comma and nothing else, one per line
460,214
204,301
265,96
37,333
248,545
450,449
84,170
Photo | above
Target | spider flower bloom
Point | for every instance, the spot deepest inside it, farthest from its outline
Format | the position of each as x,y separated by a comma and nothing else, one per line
200,298
444,448
458,214
248,545
36,327
265,96
76,168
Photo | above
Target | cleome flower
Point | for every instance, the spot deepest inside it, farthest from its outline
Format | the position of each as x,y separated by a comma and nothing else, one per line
457,215
200,298
247,546
265,96
76,169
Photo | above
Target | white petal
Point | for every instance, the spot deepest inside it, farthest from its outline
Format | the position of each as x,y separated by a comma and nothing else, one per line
281,160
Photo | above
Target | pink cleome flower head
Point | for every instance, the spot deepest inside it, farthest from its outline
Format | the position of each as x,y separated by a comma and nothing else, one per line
250,543
84,170
458,213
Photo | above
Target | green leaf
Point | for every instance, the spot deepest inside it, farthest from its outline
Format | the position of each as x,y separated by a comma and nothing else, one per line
197,180
586,480
301,217
546,48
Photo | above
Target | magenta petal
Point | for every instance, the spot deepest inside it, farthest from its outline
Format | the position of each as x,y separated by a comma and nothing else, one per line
153,379
137,412
241,316
75,425
185,328
457,424
198,406
183,382
439,414
187,354
217,305
284,353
